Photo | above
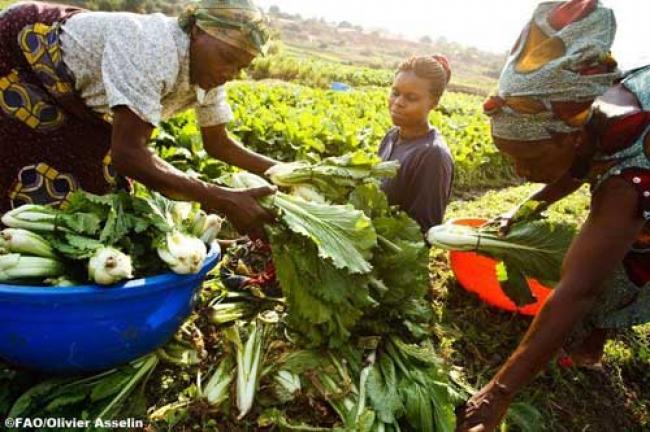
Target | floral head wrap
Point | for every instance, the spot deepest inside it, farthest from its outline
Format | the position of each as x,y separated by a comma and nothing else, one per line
559,65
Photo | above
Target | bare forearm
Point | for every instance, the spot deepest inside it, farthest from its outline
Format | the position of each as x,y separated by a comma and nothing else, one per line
145,167
220,145
547,334
131,157
556,191
245,159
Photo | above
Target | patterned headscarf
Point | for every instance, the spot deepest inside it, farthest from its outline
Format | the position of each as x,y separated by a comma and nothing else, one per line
559,65
237,22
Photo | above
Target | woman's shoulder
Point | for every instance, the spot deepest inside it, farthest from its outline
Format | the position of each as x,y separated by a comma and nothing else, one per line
124,29
436,144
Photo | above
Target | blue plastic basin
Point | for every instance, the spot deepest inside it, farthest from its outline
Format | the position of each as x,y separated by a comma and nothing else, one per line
69,330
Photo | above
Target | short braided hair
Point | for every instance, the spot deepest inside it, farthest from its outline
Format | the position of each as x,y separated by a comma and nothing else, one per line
434,69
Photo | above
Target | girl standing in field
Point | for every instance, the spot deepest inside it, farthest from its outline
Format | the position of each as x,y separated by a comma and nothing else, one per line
566,117
422,187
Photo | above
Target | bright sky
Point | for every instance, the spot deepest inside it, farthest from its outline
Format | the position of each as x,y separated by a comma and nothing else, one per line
491,25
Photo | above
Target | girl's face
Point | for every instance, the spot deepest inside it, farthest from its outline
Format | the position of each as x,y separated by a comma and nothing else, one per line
543,161
410,100
213,62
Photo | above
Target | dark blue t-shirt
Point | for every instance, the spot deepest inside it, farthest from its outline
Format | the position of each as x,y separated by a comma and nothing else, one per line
422,187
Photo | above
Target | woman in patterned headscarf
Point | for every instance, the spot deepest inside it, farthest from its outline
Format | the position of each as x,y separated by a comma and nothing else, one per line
81,92
567,117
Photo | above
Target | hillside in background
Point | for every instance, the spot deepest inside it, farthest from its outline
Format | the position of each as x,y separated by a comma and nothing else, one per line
318,45
473,70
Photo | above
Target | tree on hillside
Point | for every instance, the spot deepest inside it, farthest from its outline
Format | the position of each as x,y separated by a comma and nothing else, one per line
426,40
274,10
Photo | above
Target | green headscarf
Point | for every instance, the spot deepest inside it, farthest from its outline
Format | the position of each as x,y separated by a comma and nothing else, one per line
237,22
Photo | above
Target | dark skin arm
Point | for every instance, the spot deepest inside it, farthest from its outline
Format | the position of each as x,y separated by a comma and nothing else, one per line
554,192
131,157
220,145
604,240
549,194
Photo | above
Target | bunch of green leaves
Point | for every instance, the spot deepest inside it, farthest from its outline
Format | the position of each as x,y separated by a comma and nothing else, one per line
321,254
131,223
392,386
334,177
409,386
113,394
400,277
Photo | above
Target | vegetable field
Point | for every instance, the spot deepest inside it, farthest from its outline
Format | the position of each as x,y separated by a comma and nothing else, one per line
188,384
354,325
289,122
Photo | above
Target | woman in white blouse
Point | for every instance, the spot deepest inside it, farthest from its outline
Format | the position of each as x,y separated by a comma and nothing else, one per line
81,93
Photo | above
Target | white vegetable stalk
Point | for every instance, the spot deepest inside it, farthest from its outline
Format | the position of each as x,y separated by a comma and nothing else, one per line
183,254
249,360
462,238
216,389
16,266
454,237
308,193
198,223
181,211
211,228
278,172
31,217
25,242
109,266
223,313
287,385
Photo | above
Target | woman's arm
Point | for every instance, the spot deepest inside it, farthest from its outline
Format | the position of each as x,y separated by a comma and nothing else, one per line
132,157
554,192
220,145
540,201
609,232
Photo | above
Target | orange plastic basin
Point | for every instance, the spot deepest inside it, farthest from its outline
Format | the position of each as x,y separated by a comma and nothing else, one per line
477,274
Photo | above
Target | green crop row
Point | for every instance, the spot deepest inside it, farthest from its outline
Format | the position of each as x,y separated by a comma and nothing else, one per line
316,73
290,122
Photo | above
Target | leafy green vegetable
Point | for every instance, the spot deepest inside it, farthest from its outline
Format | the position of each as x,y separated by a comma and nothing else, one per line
532,249
335,177
340,232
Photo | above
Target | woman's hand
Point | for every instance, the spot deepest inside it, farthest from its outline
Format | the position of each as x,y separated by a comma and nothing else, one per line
526,211
242,208
484,411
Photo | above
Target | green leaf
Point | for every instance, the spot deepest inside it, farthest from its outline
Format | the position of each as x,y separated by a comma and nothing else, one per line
34,397
514,284
109,385
382,391
526,417
71,396
342,234
324,302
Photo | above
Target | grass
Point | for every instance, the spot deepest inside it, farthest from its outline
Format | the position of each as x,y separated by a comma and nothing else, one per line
478,339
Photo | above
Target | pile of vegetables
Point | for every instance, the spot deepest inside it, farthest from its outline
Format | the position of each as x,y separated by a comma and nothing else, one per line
345,339
325,328
531,249
104,239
